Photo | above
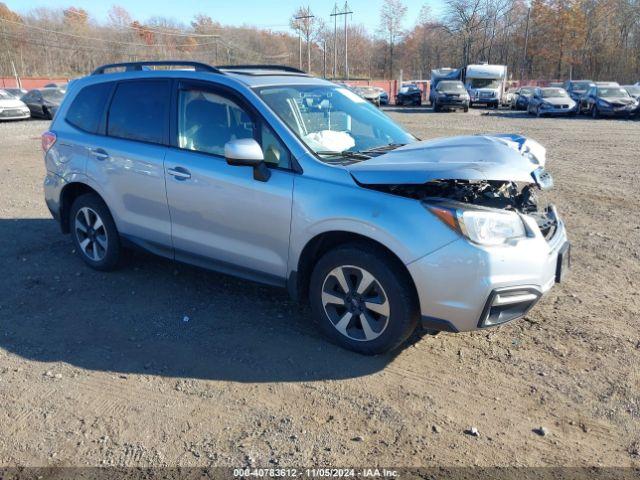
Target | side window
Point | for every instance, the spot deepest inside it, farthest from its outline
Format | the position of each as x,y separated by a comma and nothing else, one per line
139,110
87,108
206,121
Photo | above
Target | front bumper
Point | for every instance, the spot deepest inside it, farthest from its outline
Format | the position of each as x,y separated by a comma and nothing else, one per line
15,114
559,111
460,283
452,104
617,111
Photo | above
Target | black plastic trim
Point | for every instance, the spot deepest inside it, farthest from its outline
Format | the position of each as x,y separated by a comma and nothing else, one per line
497,291
438,324
138,66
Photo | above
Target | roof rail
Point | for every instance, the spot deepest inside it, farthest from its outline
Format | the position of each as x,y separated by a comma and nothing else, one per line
283,68
138,66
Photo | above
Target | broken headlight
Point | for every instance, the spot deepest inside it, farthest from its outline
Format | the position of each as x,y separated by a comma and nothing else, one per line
483,226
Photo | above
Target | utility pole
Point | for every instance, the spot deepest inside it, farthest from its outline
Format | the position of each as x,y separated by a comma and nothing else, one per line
308,19
335,15
526,44
324,58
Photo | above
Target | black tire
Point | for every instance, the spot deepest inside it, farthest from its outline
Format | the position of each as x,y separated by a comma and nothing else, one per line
466,109
46,113
107,258
397,287
594,112
436,107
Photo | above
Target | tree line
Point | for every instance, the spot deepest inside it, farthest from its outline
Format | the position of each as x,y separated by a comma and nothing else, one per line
537,39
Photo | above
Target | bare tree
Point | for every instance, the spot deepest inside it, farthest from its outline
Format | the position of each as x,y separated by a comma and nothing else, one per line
392,15
306,24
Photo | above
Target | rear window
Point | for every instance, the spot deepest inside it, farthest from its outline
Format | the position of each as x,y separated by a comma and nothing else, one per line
139,109
87,108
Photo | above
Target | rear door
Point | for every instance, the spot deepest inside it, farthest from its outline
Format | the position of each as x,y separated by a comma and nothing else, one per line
222,218
127,161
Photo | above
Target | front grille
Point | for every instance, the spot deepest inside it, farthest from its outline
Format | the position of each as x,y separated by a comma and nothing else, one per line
11,113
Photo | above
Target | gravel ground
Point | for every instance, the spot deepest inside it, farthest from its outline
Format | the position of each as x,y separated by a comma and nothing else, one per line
103,369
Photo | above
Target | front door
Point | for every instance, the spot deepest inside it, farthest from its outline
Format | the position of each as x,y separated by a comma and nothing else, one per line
222,217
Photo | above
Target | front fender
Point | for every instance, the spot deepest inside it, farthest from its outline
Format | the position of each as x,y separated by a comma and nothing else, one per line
401,224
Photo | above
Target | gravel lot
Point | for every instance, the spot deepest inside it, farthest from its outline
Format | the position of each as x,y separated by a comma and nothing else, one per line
102,369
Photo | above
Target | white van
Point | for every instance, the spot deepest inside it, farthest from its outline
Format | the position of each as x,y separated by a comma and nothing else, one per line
486,84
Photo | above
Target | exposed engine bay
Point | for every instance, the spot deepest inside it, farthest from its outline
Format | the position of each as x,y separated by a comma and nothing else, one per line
492,194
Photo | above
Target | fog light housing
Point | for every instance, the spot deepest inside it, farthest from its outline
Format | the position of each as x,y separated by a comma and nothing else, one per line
507,304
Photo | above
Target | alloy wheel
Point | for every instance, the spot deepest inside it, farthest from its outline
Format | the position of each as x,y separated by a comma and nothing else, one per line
356,303
91,234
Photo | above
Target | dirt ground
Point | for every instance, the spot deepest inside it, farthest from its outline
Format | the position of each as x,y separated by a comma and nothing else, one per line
102,369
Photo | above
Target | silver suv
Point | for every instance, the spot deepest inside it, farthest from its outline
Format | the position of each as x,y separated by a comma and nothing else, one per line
269,174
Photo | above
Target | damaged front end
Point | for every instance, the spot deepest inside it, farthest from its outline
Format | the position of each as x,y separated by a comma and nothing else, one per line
481,186
450,199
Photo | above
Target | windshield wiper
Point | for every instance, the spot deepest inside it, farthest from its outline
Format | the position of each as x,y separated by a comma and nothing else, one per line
383,148
346,154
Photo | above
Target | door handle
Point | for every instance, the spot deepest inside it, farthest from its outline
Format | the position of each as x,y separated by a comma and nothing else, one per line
99,153
179,173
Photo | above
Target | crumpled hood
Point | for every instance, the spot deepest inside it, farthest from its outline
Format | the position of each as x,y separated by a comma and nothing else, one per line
619,100
507,157
11,103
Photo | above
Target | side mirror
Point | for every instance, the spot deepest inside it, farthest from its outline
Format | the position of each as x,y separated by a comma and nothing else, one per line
246,152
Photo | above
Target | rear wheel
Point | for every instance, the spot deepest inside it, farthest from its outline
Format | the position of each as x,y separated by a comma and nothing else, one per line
362,299
94,232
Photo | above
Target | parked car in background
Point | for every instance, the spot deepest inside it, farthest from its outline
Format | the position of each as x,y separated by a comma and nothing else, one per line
371,94
43,102
509,96
450,95
384,96
577,88
409,95
521,98
232,169
15,92
610,101
633,90
607,84
12,108
551,101
59,86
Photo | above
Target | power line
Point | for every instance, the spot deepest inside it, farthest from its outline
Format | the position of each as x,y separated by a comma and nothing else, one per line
84,37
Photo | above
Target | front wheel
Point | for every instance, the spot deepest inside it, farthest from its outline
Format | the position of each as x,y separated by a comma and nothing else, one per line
362,299
594,112
94,232
466,109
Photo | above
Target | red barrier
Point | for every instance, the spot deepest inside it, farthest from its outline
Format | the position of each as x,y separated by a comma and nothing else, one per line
29,83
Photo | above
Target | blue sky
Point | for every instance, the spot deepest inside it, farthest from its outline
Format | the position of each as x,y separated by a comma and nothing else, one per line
263,13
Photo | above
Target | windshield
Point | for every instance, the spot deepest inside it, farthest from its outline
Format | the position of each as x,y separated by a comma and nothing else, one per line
332,120
4,95
53,95
485,83
450,87
612,92
633,90
581,86
526,91
408,88
553,93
